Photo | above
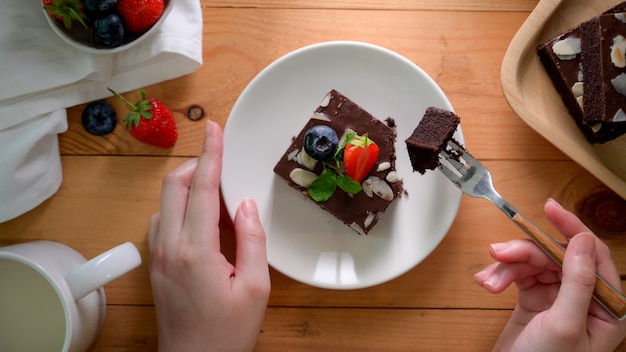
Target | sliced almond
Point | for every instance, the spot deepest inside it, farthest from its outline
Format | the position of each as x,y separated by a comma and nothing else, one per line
357,228
577,89
596,127
369,219
367,186
342,140
619,116
326,100
566,49
321,117
392,177
618,51
382,189
306,160
293,155
580,74
302,177
383,166
619,83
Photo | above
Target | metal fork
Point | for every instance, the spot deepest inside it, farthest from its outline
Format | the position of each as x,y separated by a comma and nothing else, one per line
474,179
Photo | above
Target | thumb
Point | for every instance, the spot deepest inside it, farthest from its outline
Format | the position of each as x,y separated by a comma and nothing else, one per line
578,282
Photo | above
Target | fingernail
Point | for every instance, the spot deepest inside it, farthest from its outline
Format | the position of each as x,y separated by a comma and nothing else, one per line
209,127
481,276
493,280
551,200
498,247
584,245
249,209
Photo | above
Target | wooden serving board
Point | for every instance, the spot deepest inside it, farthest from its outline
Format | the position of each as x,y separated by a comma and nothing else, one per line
530,93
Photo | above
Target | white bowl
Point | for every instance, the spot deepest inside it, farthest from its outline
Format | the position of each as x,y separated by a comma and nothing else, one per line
81,38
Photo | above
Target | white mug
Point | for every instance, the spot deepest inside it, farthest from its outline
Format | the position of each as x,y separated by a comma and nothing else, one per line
51,297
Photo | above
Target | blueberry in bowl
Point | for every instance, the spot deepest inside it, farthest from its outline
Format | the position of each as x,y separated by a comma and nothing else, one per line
99,6
110,30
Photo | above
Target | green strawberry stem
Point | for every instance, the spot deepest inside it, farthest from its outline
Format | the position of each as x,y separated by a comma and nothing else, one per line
137,111
76,15
67,11
361,141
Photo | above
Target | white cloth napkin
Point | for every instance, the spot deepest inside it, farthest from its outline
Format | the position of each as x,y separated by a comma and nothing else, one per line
41,76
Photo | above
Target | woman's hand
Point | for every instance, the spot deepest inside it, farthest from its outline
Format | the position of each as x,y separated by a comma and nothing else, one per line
555,311
203,302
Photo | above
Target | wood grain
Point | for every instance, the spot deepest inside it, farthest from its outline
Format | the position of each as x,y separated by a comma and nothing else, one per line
132,329
107,200
315,329
451,46
448,5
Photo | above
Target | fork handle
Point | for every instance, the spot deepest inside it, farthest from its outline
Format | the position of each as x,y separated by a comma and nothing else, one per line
609,297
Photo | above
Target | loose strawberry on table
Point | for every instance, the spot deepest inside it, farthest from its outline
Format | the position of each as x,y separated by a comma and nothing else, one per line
139,15
150,121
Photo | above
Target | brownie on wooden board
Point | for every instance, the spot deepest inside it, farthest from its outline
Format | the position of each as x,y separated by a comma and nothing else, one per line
603,43
564,70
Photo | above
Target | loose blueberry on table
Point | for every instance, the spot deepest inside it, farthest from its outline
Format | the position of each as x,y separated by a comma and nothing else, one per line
99,118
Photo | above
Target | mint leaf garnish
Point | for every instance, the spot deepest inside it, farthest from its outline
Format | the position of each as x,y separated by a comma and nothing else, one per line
348,185
323,187
339,152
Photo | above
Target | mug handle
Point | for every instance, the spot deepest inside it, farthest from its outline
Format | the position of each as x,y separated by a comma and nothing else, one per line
103,269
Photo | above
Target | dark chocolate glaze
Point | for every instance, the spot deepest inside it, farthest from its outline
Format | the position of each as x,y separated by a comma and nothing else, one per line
344,114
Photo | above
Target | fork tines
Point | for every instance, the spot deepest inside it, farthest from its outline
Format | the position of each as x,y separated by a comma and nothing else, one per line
451,161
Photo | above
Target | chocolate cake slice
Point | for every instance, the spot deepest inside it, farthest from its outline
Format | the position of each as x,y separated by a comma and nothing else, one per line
361,210
562,59
430,137
603,43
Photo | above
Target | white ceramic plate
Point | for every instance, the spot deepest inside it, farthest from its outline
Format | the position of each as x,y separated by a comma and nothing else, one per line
304,242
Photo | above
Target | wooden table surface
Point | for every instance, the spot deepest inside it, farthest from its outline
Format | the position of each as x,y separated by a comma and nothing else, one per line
112,184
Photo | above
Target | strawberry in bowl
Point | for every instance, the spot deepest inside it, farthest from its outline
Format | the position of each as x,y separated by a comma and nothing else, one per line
139,15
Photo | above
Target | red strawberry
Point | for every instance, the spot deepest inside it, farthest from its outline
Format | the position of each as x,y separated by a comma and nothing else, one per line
150,121
66,11
139,15
359,157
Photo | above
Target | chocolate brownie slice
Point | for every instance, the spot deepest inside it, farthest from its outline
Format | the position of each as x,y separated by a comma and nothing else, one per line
363,210
430,137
